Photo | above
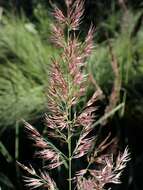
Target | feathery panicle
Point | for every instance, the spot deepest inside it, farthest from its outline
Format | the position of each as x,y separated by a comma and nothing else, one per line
35,136
32,132
87,117
108,172
59,85
57,35
73,56
57,98
58,89
56,121
41,180
75,10
30,169
74,14
84,144
59,16
88,48
74,60
50,155
122,160
68,3
85,184
66,86
95,97
49,152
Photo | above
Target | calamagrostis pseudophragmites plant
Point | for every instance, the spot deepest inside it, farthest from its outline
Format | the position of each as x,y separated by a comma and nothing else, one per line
64,121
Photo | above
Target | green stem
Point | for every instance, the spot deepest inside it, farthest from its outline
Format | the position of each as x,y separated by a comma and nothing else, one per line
17,140
70,159
68,111
69,147
107,115
5,153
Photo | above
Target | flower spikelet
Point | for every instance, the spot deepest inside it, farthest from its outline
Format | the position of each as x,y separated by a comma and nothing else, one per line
49,152
85,184
57,97
57,35
109,172
36,180
71,86
51,156
84,144
88,47
75,13
59,16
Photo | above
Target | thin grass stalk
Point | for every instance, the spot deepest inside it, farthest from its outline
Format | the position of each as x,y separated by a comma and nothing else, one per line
17,127
128,68
69,134
109,114
17,140
5,153
70,159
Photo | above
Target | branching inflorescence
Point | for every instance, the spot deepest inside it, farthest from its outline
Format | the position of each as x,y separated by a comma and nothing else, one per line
67,84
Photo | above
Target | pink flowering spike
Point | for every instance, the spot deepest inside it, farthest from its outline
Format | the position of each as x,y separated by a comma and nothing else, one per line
83,146
40,143
41,180
52,184
56,122
95,97
81,172
85,184
49,152
75,14
57,78
74,60
54,165
33,183
122,159
58,89
30,170
88,48
68,3
57,96
86,118
35,136
51,156
57,36
50,122
108,172
31,130
58,14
